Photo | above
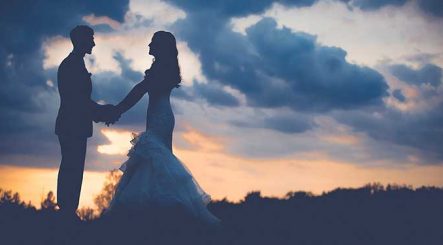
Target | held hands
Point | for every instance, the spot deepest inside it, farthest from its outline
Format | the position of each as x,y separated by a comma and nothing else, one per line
109,114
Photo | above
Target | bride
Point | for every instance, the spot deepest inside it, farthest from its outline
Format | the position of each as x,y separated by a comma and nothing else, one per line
152,175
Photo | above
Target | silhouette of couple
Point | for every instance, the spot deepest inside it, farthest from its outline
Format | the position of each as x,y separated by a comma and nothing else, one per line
153,176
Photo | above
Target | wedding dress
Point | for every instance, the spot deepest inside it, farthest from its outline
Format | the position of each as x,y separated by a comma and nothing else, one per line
153,175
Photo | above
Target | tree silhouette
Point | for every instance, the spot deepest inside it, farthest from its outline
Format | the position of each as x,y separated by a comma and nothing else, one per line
372,214
49,203
12,199
103,199
9,197
86,214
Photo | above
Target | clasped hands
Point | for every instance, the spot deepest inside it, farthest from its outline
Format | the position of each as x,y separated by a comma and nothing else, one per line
109,114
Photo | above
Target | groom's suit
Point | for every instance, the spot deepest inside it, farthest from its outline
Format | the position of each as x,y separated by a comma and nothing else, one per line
73,126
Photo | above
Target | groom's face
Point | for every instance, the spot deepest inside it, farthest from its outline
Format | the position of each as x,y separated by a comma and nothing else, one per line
89,44
85,44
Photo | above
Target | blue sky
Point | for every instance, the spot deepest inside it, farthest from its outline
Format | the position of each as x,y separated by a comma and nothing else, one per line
353,82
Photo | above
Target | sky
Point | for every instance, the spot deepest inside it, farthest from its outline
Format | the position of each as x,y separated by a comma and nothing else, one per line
276,96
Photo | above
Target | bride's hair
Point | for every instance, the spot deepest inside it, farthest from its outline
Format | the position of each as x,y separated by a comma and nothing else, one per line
166,60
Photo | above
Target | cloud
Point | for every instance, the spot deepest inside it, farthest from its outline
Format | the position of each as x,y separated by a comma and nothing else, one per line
286,124
421,131
101,20
283,122
318,77
232,8
215,95
156,11
398,94
426,74
276,67
430,7
376,35
373,4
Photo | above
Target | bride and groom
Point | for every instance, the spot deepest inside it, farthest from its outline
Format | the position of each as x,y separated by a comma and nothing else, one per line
153,176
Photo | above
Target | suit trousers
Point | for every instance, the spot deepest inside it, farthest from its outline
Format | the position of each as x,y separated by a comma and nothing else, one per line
70,175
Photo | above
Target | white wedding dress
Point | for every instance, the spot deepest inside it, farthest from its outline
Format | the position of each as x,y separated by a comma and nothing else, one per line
153,175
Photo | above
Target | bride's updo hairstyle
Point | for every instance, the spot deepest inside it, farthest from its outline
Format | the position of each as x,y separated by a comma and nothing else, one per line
165,68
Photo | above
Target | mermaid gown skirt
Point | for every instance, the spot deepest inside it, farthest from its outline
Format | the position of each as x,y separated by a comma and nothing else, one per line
154,177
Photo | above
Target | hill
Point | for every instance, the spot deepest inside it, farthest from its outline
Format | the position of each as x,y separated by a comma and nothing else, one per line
372,214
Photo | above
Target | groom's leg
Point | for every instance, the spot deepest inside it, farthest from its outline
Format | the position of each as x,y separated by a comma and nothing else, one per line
70,174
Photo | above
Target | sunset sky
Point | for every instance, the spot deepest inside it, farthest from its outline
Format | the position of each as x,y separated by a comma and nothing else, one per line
276,96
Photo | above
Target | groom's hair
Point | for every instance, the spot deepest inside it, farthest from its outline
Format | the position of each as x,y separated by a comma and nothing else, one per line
80,32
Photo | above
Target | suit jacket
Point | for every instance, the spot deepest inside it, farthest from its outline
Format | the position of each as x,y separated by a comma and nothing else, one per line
77,109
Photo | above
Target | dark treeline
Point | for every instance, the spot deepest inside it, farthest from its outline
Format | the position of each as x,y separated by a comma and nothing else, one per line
372,214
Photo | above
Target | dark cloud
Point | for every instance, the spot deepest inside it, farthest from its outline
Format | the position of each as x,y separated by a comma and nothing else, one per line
287,123
398,94
184,93
233,8
422,58
373,4
277,67
427,74
318,77
421,131
215,95
430,7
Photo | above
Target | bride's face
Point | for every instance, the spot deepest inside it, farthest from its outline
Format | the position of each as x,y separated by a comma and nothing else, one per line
153,47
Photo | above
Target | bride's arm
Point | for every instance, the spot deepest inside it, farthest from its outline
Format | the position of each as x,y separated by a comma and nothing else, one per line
133,96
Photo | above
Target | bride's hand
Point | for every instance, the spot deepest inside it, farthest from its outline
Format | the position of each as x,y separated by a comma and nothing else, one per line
113,115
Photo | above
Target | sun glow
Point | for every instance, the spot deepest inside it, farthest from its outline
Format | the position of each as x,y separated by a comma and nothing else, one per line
119,142
34,183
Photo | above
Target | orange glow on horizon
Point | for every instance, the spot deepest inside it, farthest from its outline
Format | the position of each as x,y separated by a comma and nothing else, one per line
33,184
224,175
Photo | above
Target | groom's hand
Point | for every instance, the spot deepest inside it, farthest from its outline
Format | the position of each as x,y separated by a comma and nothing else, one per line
107,114
102,114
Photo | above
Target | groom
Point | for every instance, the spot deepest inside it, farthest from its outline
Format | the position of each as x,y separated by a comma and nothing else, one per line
74,120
